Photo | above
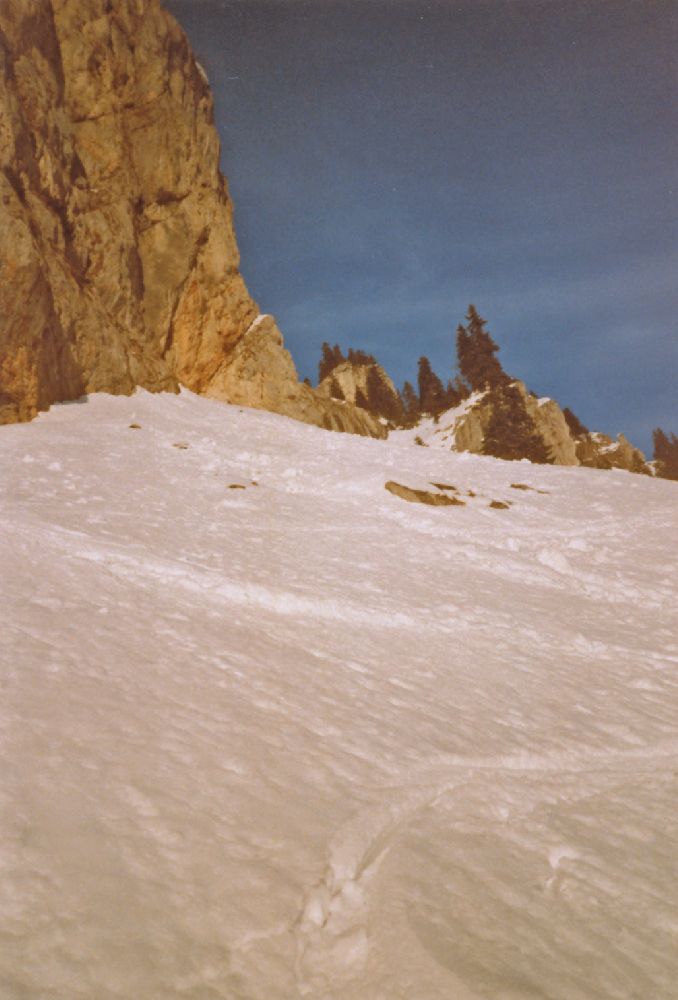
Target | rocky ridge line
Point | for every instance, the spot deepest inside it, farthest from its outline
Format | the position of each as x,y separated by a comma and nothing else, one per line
463,428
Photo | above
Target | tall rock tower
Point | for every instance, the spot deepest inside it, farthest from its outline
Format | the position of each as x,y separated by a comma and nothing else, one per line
118,260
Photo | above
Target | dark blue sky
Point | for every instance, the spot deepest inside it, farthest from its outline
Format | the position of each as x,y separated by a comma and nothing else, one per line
393,160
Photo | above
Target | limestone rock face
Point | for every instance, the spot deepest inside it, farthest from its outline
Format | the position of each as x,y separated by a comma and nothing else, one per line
468,423
598,451
352,378
259,372
549,421
470,426
118,258
463,429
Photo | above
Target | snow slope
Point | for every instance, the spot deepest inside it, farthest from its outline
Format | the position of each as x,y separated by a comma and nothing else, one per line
308,740
440,433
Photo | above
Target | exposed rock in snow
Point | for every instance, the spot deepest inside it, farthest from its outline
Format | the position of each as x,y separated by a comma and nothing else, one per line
548,419
463,429
598,451
261,373
351,378
422,496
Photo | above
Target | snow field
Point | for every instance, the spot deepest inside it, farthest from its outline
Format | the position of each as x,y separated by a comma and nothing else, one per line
305,739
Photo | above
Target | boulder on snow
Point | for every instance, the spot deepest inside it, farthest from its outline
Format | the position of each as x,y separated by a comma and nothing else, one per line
422,496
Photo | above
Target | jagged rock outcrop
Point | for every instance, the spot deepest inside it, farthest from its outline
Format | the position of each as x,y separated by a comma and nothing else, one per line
366,386
352,379
118,258
464,428
550,422
468,423
598,451
259,372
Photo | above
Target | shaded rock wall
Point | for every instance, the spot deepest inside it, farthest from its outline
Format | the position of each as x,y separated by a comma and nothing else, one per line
118,260
598,451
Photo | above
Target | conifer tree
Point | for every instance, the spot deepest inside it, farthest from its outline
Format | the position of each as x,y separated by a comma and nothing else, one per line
326,363
511,433
431,389
361,399
410,401
451,396
665,453
577,428
455,393
330,358
360,357
476,354
463,350
380,399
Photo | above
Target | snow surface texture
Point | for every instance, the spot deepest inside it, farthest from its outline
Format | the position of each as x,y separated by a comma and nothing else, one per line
440,432
307,740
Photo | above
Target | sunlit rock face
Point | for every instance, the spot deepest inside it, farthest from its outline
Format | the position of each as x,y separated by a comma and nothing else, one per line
464,427
349,379
259,372
549,421
473,417
119,261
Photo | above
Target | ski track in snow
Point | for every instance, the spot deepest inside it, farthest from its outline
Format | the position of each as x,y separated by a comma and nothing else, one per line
332,941
203,581
237,720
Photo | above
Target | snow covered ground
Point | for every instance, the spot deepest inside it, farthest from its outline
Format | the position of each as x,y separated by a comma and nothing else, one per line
308,740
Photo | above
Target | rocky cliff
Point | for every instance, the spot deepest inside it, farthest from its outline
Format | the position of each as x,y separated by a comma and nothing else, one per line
463,429
351,380
466,425
118,258
598,451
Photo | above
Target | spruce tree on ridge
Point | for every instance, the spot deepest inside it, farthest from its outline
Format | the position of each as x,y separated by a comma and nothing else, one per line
411,411
431,389
476,352
665,453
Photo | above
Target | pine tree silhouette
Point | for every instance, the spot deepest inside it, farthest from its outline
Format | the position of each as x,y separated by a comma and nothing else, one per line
577,428
476,354
380,399
360,357
361,399
330,358
665,453
431,389
411,412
